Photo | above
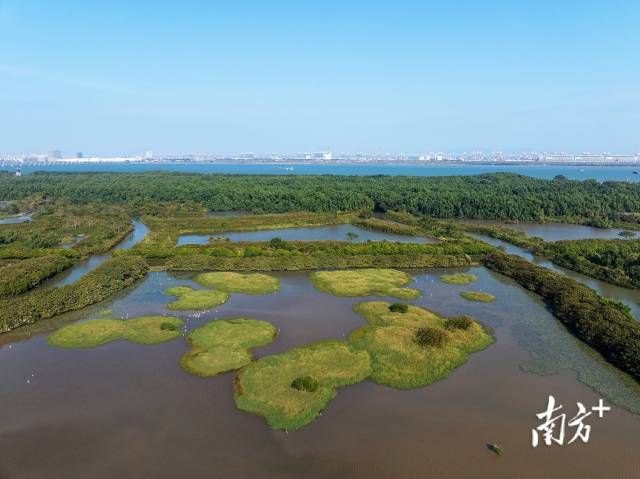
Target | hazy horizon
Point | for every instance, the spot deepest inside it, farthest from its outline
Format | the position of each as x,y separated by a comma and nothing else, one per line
412,77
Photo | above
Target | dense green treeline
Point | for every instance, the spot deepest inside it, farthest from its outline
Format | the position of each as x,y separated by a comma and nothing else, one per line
614,261
289,249
109,278
604,324
498,196
21,276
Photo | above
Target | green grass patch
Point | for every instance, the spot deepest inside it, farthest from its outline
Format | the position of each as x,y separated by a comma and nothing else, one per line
189,298
404,357
478,296
365,282
90,334
223,345
266,387
458,278
246,283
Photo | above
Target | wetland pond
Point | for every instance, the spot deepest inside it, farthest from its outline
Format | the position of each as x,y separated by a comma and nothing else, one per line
11,220
316,233
560,231
129,411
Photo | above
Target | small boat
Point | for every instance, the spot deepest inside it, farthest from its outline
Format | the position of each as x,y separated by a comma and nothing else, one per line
495,448
635,172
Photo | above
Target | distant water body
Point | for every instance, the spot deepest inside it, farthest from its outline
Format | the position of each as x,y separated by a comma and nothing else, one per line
600,173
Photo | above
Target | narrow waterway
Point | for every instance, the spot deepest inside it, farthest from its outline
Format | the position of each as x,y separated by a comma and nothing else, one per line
15,220
73,274
630,297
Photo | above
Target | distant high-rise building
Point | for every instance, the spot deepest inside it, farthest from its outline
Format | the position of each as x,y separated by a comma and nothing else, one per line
79,155
55,154
148,154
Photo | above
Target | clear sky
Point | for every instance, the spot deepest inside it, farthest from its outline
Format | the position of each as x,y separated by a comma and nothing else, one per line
110,77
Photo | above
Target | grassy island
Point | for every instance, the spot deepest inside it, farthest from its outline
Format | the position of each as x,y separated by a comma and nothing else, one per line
246,283
291,389
478,296
415,348
143,330
458,278
365,282
223,345
189,298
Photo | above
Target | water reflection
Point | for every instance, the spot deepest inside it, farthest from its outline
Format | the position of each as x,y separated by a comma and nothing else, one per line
332,232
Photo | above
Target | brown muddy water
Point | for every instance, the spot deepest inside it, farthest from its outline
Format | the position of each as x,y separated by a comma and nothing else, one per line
130,411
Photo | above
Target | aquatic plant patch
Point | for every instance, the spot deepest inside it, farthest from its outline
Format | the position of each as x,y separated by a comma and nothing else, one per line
142,330
245,283
189,298
416,348
458,278
223,345
291,389
365,282
478,296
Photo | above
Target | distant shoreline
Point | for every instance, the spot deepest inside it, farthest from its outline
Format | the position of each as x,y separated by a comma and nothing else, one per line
315,163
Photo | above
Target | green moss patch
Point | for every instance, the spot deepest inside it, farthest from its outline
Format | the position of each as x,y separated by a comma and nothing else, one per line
478,296
266,387
458,278
189,298
246,283
90,334
416,348
365,282
223,345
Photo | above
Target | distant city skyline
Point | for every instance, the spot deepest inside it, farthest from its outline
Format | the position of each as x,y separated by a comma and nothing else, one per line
121,78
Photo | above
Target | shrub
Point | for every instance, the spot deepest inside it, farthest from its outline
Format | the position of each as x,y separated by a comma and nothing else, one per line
459,322
277,243
399,308
166,326
305,383
430,337
9,237
24,275
39,241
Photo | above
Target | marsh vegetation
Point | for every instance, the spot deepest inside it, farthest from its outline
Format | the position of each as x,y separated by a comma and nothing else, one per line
93,333
265,386
245,283
224,345
415,348
478,296
458,278
365,282
194,299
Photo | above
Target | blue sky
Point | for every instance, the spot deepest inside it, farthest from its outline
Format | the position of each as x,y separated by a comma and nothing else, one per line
284,76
